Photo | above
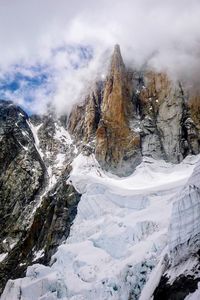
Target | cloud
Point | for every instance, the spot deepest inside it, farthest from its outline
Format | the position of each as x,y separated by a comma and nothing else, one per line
55,36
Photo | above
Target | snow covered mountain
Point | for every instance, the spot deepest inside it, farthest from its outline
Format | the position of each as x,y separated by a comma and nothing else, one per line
104,204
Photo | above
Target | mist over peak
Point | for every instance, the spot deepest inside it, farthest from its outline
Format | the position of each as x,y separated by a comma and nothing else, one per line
52,51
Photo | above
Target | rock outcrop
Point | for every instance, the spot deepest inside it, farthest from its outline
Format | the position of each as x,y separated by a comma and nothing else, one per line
167,129
84,118
133,114
22,171
37,206
117,145
194,106
104,119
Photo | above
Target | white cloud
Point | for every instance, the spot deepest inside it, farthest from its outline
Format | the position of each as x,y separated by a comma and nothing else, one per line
164,33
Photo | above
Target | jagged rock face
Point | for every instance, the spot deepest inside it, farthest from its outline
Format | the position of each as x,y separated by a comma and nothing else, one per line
179,290
193,123
105,117
49,227
84,118
167,129
21,170
116,142
194,106
56,146
132,114
36,212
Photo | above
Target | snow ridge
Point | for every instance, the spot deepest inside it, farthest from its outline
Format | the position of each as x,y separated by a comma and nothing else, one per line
184,229
119,236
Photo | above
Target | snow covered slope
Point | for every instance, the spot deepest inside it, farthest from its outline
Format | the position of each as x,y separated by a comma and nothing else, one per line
184,230
120,234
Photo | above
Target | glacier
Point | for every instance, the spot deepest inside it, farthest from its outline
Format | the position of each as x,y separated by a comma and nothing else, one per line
122,236
184,229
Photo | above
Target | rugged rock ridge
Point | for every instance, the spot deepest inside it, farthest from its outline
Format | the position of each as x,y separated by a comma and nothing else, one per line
84,118
103,120
37,206
54,143
22,170
133,114
194,106
168,131
116,142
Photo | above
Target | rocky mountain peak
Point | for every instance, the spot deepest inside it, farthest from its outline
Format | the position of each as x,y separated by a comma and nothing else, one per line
117,63
115,97
131,115
115,141
104,119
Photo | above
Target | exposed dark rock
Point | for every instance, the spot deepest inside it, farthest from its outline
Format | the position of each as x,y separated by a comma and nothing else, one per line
181,287
22,171
167,129
84,118
33,215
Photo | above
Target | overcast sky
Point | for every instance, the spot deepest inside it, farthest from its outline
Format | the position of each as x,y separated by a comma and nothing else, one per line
51,49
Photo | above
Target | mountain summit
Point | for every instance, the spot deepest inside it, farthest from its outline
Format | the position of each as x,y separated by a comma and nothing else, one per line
116,142
117,64
131,114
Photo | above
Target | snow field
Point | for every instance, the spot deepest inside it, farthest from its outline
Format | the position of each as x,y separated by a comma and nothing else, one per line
119,237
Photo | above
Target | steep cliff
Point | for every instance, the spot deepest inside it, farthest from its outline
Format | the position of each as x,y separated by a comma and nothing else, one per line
133,114
84,118
117,144
37,207
167,129
103,120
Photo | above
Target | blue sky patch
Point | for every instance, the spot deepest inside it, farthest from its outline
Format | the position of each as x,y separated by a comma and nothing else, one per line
26,81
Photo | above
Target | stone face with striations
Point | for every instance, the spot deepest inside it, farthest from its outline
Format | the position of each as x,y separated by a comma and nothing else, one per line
21,169
117,145
133,114
168,132
84,118
36,212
